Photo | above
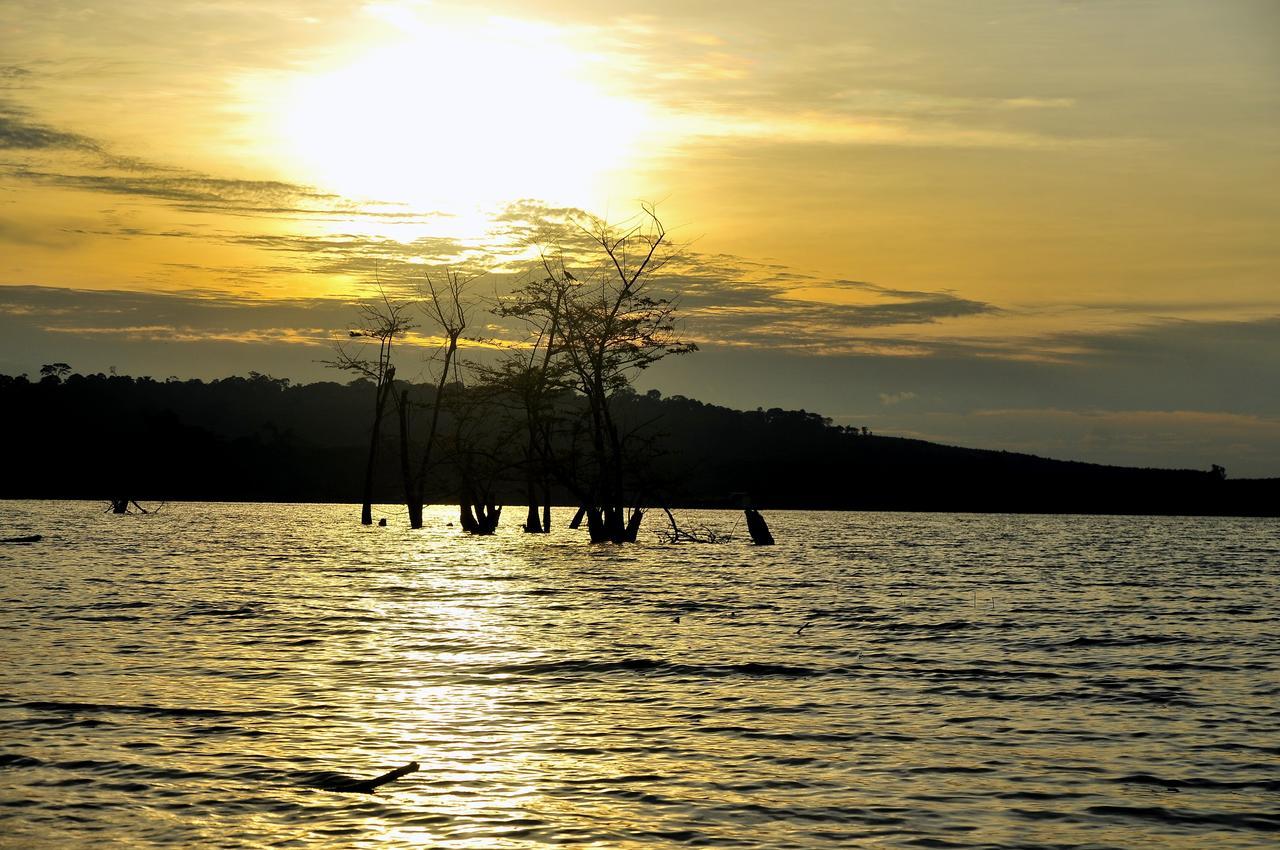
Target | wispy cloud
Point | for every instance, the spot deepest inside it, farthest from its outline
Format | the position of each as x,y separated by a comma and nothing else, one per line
19,133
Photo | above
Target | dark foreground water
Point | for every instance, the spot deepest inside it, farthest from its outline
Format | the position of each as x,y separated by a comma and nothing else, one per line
963,681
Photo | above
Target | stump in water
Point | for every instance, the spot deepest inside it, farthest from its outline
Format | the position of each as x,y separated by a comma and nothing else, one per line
533,525
758,528
606,524
633,526
479,519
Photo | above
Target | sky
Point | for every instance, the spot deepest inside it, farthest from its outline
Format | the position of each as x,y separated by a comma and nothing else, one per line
1048,226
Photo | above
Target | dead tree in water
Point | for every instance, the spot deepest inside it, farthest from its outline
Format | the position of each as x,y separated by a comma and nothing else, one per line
478,453
444,307
530,379
121,506
594,331
381,323
691,534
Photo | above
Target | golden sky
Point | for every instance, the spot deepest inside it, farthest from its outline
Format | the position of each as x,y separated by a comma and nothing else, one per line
1049,226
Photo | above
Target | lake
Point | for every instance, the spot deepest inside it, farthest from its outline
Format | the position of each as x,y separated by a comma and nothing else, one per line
875,679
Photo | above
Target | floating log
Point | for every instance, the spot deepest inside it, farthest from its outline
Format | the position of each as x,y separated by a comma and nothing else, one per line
30,538
338,782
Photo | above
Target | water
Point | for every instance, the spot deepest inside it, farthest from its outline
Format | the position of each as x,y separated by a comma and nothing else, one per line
964,681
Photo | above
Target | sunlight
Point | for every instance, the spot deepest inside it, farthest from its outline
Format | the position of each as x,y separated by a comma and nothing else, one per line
451,116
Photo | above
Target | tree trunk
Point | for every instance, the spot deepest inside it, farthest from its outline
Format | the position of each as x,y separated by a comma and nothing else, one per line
366,509
633,526
533,525
488,516
595,526
412,493
466,519
615,528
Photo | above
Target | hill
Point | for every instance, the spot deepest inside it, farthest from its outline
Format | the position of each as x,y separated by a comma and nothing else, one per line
265,439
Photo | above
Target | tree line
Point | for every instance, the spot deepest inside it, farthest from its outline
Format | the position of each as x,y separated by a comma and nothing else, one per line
261,438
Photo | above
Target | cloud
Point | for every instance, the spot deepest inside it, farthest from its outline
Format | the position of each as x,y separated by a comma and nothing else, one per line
18,132
1150,396
57,157
890,399
732,301
192,190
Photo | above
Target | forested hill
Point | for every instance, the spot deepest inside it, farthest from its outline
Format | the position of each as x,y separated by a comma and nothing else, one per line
263,439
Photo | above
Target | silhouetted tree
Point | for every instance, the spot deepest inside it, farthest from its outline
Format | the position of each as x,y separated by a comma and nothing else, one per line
595,330
527,379
445,310
380,322
54,371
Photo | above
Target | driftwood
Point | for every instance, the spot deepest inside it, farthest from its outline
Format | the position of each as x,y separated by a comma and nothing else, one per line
698,534
121,506
346,784
30,538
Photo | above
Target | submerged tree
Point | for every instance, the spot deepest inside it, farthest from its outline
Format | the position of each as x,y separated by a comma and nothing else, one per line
445,310
525,383
591,332
381,323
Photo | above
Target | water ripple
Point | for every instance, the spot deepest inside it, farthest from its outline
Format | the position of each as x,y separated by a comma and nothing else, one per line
897,680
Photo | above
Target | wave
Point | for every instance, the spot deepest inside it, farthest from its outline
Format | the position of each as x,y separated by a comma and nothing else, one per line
656,666
218,609
19,760
1262,821
1199,783
112,708
1124,640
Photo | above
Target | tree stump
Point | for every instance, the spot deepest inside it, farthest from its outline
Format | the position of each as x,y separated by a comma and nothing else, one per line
758,528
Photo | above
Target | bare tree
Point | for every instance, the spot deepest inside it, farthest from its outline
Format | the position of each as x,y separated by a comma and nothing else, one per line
445,309
595,329
380,323
528,379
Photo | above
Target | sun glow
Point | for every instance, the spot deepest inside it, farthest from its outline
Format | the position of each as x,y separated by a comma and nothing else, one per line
453,116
